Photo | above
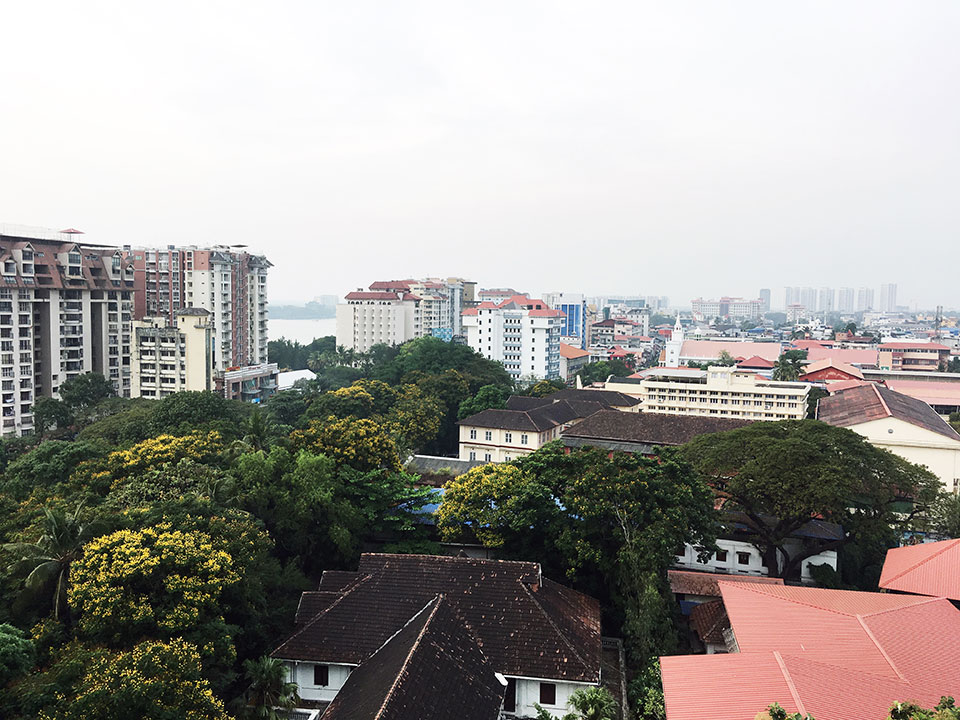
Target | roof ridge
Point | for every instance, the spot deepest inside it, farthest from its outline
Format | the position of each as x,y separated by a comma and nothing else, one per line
879,647
876,389
556,629
760,587
349,589
948,545
789,681
920,600
413,648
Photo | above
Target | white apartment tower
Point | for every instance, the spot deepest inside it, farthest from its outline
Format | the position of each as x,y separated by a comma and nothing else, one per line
172,358
520,332
377,317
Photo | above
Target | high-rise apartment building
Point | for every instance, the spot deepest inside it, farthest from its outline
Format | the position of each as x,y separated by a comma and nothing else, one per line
726,307
520,332
825,300
765,300
791,296
888,297
230,285
573,324
846,300
808,298
864,299
172,358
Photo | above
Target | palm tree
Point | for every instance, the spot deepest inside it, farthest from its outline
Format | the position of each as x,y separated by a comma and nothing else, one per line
258,431
46,563
268,690
594,703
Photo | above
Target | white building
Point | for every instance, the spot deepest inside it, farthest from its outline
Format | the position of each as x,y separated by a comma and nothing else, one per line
374,317
172,358
520,332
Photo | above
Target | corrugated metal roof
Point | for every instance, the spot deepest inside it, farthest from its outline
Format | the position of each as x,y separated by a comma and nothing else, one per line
927,569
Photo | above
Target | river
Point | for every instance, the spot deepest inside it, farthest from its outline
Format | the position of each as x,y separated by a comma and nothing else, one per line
301,331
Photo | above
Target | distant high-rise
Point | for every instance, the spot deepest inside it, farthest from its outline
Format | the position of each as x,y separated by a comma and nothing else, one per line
888,297
864,299
765,300
846,300
825,302
791,296
573,324
808,298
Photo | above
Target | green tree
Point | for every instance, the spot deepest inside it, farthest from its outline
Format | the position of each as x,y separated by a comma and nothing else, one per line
46,564
945,518
646,692
815,396
489,396
268,689
85,391
600,371
51,462
953,365
782,475
131,423
775,712
153,681
595,703
17,653
189,411
49,413
946,709
789,365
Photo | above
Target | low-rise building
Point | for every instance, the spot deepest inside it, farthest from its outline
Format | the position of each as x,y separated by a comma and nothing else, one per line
721,391
255,383
923,356
541,637
901,424
172,358
829,371
572,360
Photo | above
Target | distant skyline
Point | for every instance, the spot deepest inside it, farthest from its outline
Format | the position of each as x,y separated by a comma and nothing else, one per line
674,149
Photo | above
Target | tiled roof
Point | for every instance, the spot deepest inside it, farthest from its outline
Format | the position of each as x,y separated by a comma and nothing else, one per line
925,569
756,362
537,419
525,625
933,393
431,669
874,402
840,385
607,398
691,582
851,356
570,352
649,428
912,346
371,295
709,620
392,284
830,362
835,654
711,349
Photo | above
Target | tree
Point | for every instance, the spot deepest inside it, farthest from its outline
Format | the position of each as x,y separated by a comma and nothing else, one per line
16,653
592,703
157,582
600,371
816,394
268,689
489,396
85,391
775,712
946,709
361,444
953,365
153,681
49,413
47,562
945,518
189,411
51,462
789,365
780,476
646,693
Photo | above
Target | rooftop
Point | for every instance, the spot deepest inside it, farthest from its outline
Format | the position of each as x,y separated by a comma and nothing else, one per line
649,428
926,569
865,403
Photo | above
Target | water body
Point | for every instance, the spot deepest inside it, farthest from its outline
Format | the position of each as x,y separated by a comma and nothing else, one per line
301,331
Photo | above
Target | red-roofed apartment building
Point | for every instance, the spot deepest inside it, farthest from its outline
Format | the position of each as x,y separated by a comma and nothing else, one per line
912,356
835,654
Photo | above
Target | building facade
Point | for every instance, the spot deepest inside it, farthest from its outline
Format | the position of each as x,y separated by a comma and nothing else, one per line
909,356
172,358
731,308
520,332
573,324
252,383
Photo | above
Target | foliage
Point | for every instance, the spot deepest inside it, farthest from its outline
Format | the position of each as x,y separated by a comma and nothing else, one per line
782,475
945,518
600,371
725,359
775,712
16,653
49,413
946,709
164,449
130,423
268,689
489,396
646,693
185,412
361,444
816,394
153,681
157,582
85,391
953,365
434,356
50,462
293,355
542,388
789,365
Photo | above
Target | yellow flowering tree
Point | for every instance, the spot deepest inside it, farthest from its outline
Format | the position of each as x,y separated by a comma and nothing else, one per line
414,419
157,582
360,444
163,449
153,681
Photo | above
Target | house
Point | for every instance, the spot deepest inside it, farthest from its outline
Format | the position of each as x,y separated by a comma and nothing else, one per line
572,360
904,425
912,356
431,669
542,637
942,396
828,370
931,569
835,654
861,357
756,364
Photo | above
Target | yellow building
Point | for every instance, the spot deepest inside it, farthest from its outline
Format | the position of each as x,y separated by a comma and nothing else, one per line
168,359
719,391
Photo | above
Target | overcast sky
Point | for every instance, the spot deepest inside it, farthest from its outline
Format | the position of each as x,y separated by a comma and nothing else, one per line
674,148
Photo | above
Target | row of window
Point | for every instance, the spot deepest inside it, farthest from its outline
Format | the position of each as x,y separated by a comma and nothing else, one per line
507,437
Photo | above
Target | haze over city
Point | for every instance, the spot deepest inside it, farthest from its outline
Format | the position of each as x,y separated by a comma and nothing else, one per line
678,149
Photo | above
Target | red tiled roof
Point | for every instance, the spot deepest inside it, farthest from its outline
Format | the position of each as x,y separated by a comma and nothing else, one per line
691,582
933,393
392,284
829,362
807,344
839,385
926,569
470,311
372,295
851,356
709,620
875,402
711,349
912,346
756,362
570,352
546,313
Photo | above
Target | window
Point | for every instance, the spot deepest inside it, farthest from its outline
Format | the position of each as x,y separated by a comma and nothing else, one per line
510,696
473,434
486,457
548,694
721,555
488,435
473,455
523,439
508,437
321,675
743,558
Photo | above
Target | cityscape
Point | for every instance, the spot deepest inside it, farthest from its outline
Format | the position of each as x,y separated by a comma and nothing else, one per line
451,361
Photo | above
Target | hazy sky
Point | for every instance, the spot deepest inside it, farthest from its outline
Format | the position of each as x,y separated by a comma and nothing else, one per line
677,148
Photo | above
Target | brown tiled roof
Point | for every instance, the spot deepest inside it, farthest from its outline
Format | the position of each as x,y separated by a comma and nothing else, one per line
874,402
691,582
524,624
431,669
607,398
649,428
537,419
709,620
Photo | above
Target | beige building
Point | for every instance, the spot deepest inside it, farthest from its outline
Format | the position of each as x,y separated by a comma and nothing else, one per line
375,317
169,359
901,424
719,391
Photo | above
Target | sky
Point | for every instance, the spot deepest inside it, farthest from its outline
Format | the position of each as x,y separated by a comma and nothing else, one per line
672,148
